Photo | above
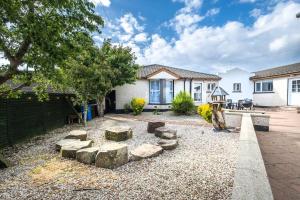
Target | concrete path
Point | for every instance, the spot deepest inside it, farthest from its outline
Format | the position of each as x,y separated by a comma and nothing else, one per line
281,153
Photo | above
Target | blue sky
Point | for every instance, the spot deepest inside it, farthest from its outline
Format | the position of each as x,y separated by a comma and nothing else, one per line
205,35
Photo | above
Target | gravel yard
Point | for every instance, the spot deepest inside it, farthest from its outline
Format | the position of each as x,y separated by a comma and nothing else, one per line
201,167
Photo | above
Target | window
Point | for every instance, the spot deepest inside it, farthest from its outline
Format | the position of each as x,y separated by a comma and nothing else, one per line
264,86
296,86
197,92
210,87
237,87
155,91
161,91
169,91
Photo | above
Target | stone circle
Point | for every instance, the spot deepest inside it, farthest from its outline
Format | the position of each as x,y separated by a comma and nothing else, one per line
118,133
87,155
77,134
112,155
146,151
154,125
69,151
168,144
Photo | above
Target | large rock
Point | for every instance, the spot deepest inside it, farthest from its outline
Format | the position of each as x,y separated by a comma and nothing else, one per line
64,142
87,155
146,151
168,136
112,155
118,133
160,131
77,134
168,144
69,151
154,125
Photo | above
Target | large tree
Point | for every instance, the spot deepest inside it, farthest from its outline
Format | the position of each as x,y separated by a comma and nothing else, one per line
36,36
121,61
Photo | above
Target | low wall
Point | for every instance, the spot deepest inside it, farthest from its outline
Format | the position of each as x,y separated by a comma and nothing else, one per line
250,180
260,121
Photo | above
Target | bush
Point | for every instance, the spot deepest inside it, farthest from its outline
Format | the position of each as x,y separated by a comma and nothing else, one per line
137,105
205,111
183,103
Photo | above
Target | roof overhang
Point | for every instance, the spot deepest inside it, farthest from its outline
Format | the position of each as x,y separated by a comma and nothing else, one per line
275,76
163,70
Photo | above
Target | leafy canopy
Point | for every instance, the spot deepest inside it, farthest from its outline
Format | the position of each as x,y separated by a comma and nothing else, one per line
36,36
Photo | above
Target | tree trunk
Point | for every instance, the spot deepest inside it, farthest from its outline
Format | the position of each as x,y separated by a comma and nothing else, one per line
85,112
218,118
100,106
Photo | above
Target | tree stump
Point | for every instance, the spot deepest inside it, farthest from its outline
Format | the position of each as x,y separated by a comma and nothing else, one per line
218,119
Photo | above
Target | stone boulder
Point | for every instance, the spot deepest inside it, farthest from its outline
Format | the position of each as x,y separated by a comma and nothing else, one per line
112,155
77,134
168,136
87,155
154,125
160,131
168,144
118,133
69,151
146,151
64,142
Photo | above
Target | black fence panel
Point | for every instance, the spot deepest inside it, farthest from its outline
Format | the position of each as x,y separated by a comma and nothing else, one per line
26,117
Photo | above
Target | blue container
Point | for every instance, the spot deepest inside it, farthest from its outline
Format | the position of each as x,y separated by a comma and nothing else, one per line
89,113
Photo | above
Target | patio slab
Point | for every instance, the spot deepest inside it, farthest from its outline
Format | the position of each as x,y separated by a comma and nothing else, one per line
281,153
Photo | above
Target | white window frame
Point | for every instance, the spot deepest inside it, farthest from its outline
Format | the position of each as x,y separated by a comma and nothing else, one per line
153,91
210,87
237,87
194,91
261,86
296,89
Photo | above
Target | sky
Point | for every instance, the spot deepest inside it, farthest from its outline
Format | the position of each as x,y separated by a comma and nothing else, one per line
205,35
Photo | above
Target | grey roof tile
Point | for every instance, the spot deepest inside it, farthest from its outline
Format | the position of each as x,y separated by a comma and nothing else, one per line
277,71
145,71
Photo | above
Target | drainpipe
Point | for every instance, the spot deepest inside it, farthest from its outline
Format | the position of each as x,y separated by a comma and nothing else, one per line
191,87
184,84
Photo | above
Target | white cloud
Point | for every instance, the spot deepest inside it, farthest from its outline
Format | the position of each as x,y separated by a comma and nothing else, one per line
129,23
247,1
105,3
141,37
272,40
212,12
255,13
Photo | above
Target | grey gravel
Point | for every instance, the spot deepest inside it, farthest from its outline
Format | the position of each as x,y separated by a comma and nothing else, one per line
201,167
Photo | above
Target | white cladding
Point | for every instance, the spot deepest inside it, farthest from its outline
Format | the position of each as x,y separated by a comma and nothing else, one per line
239,76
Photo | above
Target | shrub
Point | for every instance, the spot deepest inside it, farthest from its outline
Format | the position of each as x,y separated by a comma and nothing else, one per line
127,108
137,105
183,103
205,111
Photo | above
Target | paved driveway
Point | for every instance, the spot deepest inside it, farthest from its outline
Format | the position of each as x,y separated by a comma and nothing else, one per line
281,153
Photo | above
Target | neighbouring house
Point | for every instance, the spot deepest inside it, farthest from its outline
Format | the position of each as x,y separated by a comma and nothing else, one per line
237,84
279,86
158,85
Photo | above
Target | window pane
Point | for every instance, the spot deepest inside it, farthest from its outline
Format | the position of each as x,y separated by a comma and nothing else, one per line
197,91
155,91
169,91
267,86
257,87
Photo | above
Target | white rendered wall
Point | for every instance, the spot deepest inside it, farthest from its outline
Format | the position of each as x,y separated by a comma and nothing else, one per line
237,75
277,98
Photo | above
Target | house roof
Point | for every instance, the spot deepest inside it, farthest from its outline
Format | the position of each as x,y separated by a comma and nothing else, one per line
149,70
218,91
277,71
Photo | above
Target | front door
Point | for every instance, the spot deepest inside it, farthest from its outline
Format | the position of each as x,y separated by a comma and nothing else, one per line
110,102
294,92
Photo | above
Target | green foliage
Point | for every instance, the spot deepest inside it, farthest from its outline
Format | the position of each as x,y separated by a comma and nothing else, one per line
137,105
39,35
183,103
205,111
127,108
